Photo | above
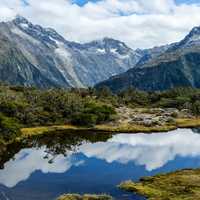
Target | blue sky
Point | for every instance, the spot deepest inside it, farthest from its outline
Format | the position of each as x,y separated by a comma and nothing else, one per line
138,23
83,2
188,1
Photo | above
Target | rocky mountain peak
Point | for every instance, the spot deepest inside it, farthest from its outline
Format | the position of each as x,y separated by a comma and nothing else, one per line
43,34
195,31
192,40
109,45
43,58
20,20
194,35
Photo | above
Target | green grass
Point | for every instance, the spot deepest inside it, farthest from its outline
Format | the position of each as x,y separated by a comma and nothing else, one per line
188,123
134,128
84,197
180,185
121,128
26,132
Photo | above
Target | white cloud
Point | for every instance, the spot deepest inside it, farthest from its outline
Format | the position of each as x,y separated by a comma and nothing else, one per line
152,151
31,160
139,23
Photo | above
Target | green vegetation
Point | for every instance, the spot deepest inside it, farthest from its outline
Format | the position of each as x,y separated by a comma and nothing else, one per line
84,197
9,128
180,185
188,123
52,109
22,107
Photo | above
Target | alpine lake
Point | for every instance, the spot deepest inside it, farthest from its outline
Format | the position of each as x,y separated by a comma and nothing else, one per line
44,167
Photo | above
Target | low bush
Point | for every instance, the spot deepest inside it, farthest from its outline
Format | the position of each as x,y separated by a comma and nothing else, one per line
84,119
9,128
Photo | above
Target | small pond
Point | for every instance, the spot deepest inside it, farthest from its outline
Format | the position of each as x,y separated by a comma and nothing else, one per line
45,167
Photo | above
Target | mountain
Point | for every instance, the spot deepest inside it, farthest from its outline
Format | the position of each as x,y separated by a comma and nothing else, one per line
177,66
31,55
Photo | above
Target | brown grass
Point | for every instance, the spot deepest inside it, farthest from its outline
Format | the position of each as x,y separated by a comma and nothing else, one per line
84,197
121,128
188,123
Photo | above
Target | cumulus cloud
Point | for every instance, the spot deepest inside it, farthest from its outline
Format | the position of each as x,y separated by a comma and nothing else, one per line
150,150
139,23
153,151
31,160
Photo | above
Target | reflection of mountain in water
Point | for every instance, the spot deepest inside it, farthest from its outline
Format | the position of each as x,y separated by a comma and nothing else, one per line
60,152
58,143
196,130
8,151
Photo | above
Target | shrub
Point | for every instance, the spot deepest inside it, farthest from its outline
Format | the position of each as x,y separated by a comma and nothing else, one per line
102,112
84,119
196,108
9,128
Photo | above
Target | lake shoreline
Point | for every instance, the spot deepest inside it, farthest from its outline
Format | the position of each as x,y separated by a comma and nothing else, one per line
123,128
182,184
84,197
105,128
58,138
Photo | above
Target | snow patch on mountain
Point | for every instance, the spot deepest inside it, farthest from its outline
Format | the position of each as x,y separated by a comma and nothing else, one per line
194,38
24,25
101,51
48,60
67,67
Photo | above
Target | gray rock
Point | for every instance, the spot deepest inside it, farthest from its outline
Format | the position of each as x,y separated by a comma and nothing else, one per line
31,55
177,66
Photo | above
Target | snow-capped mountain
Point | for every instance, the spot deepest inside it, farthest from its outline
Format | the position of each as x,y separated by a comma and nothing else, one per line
35,56
176,66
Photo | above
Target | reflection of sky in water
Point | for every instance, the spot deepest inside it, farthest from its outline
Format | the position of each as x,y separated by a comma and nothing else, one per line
28,161
150,152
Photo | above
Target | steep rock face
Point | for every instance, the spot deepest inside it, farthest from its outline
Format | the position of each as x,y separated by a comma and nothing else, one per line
178,65
35,56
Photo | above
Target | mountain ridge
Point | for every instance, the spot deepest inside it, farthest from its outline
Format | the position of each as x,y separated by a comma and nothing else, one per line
177,66
49,60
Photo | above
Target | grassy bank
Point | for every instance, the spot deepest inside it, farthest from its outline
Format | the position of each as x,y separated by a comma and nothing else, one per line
188,123
180,185
27,132
123,128
84,197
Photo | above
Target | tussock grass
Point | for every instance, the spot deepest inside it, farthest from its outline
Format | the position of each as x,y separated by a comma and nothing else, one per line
28,132
46,129
188,123
134,128
180,185
121,128
84,197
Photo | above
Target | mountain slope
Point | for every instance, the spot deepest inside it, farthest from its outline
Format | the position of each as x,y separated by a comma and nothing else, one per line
178,65
35,56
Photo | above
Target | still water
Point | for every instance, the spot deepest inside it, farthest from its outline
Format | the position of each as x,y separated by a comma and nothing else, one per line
45,167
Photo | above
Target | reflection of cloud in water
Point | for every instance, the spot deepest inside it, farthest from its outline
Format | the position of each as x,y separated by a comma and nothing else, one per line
28,161
151,150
